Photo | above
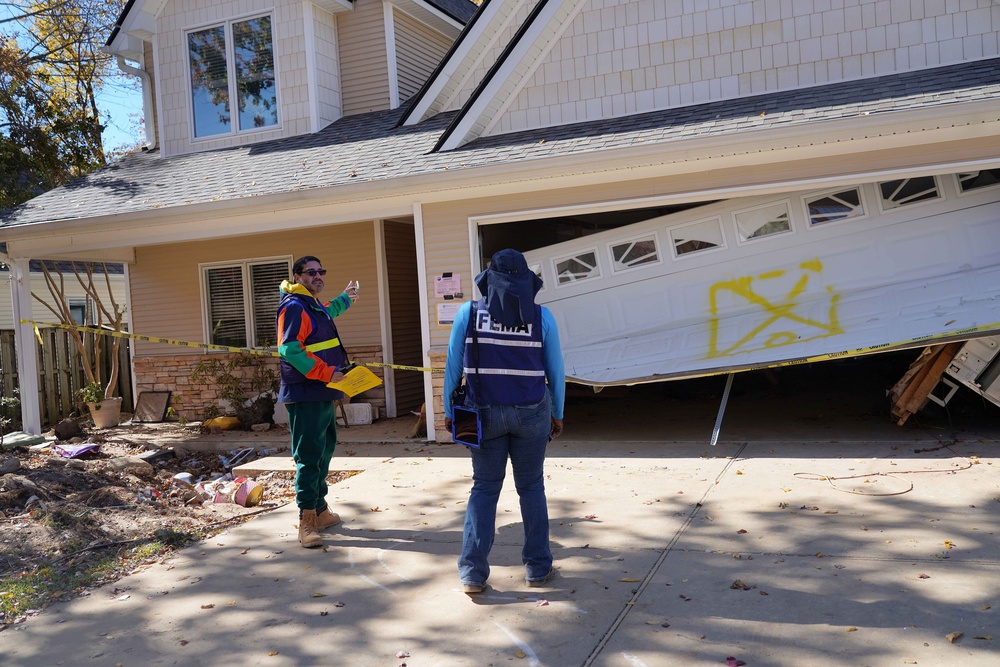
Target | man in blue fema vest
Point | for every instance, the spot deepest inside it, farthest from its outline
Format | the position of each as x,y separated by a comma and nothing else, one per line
514,377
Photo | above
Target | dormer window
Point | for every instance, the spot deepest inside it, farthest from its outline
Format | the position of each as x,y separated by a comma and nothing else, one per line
233,61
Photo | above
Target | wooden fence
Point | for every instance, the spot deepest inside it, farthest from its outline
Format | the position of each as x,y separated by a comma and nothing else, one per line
60,372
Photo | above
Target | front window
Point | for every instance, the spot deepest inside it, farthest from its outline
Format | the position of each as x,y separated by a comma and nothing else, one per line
241,301
233,62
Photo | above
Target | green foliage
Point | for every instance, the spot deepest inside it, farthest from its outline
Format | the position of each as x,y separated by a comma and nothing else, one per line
51,70
248,382
92,393
10,412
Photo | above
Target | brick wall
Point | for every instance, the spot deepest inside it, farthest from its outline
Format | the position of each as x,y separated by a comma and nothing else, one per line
437,360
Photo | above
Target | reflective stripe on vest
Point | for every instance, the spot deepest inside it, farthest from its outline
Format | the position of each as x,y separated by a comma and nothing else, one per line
323,345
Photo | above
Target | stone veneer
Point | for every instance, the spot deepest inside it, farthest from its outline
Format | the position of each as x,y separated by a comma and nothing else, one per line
190,400
437,360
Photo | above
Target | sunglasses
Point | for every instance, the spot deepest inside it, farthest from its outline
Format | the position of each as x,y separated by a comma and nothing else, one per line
312,273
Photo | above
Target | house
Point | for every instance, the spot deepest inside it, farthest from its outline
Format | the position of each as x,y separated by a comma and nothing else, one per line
81,305
704,186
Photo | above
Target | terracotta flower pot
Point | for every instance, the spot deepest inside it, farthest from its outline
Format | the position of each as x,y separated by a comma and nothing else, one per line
107,413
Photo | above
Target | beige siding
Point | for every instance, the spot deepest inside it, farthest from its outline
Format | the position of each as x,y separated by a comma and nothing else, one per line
363,59
74,291
288,33
404,309
418,51
327,67
620,57
166,290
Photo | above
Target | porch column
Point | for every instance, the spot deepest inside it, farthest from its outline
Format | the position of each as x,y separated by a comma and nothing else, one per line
24,344
425,325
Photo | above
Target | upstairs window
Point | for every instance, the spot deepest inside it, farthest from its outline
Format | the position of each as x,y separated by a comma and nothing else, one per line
241,301
233,62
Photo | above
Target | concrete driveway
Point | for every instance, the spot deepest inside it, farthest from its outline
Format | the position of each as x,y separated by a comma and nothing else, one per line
668,553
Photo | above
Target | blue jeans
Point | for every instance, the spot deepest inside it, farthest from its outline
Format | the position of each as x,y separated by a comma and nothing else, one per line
521,433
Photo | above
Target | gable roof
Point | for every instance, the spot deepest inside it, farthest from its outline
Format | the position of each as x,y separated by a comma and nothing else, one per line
370,150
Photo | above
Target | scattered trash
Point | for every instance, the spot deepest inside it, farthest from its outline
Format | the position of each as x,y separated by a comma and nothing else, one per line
224,423
236,457
70,451
953,637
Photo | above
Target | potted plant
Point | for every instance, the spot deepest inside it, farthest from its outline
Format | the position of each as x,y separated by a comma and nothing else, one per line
105,412
104,406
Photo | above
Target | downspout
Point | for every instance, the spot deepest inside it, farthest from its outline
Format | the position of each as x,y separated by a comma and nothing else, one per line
147,100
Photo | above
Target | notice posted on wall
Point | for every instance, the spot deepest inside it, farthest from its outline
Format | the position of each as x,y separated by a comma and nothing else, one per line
448,286
446,313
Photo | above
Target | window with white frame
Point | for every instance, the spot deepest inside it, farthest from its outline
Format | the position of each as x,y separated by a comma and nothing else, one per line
906,191
763,221
634,252
241,301
581,266
233,82
835,206
974,180
698,236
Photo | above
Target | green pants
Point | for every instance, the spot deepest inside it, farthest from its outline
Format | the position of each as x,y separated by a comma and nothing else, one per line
314,437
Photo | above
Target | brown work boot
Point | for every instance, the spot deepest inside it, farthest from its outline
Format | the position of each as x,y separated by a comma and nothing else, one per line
326,518
308,533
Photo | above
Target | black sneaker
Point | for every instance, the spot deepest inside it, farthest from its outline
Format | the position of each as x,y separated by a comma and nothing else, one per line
538,583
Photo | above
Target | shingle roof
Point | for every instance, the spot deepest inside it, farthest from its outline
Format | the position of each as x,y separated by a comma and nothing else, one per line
461,10
369,147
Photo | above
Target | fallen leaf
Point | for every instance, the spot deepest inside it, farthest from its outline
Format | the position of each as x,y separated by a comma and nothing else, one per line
949,544
324,613
739,472
519,654
953,637
852,629
741,531
272,653
208,606
923,576
733,662
985,607
319,595
182,642
629,580
740,585
590,516
986,637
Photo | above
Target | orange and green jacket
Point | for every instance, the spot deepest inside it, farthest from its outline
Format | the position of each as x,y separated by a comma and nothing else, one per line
309,344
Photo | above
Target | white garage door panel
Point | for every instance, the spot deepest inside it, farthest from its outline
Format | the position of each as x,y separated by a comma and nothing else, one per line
894,279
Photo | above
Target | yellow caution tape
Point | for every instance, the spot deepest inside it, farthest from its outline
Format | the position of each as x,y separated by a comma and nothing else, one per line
869,349
205,346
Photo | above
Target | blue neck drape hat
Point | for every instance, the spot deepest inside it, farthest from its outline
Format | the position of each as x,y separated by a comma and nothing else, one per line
510,288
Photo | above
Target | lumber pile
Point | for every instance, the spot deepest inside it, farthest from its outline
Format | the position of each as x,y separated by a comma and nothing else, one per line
911,392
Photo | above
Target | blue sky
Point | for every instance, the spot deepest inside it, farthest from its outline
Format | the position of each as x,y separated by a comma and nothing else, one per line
120,104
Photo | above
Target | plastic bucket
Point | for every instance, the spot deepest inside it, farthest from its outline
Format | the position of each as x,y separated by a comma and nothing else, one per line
248,492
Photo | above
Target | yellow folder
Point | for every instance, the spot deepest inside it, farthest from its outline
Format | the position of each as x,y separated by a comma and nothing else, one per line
355,381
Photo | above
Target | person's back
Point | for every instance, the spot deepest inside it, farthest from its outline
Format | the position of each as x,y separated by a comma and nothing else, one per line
508,349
